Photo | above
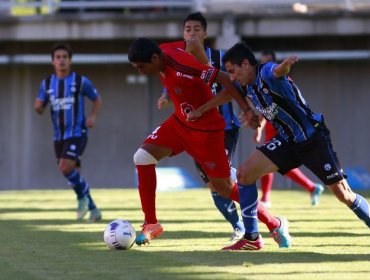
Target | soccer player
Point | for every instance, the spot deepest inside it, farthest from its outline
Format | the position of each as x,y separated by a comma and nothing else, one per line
189,85
65,91
195,27
296,175
302,138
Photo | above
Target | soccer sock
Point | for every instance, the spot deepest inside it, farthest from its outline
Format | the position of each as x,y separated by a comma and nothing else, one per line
265,217
248,204
91,202
234,195
266,186
298,177
228,209
79,185
361,208
147,187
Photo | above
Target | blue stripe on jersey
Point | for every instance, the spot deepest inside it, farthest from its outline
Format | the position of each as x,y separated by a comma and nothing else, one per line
226,110
66,97
281,102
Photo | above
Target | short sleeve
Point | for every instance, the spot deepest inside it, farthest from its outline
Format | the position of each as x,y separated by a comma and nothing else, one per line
88,89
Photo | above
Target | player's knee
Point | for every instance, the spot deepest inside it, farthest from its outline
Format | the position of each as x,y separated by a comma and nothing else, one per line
142,157
244,176
65,167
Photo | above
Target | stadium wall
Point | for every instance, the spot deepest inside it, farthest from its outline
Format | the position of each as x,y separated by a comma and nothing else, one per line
339,88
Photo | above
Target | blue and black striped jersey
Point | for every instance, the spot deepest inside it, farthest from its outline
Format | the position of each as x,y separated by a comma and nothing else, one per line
67,108
226,110
281,103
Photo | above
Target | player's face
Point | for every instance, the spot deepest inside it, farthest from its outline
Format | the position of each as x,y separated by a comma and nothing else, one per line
237,73
193,29
265,58
61,61
152,68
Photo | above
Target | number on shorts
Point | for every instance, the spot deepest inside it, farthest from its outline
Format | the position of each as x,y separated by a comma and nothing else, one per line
273,144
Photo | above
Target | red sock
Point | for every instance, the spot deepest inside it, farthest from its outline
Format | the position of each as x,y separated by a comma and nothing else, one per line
147,188
298,177
234,195
263,215
266,186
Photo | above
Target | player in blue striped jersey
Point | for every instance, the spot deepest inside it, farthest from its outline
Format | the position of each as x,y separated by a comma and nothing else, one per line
65,91
195,27
302,138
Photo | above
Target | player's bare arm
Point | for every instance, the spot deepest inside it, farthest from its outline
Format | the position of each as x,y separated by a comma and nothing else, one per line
225,96
283,68
39,106
194,47
90,121
164,101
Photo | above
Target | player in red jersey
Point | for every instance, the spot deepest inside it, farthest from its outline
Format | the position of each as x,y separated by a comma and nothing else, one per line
295,174
189,85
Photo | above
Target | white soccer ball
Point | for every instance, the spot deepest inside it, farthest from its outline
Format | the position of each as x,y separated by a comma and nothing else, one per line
119,235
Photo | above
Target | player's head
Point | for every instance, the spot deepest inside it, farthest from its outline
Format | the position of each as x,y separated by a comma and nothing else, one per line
195,26
145,55
61,46
267,55
240,63
61,57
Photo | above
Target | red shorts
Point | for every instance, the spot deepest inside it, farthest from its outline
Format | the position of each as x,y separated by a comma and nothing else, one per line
205,147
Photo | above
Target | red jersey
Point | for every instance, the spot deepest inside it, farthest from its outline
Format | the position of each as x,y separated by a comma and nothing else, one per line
188,83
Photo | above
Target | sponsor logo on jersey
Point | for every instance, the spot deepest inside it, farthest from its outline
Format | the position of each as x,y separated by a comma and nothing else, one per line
62,103
186,108
187,76
269,112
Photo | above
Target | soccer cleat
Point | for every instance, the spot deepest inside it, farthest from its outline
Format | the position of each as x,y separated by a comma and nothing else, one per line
281,234
95,215
236,235
315,195
149,231
82,207
244,244
267,204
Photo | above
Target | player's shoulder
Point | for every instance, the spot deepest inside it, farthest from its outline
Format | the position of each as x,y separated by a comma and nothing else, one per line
173,45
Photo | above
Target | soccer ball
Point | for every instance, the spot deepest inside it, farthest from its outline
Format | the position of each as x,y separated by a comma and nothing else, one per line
119,235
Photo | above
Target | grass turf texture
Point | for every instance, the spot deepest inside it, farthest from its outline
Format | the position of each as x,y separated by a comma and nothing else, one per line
40,239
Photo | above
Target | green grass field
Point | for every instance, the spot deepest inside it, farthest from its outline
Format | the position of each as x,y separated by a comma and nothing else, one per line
41,240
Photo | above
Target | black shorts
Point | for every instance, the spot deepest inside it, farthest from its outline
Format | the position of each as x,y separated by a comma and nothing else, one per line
316,154
71,148
231,139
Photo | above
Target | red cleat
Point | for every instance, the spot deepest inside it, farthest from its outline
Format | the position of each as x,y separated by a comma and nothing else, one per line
244,244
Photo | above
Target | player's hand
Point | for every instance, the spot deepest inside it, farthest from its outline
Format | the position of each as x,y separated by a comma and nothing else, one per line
90,121
290,60
250,119
163,102
193,115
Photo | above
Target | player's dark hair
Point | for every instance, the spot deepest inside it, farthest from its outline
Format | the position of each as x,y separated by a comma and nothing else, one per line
237,53
142,49
271,53
198,16
61,46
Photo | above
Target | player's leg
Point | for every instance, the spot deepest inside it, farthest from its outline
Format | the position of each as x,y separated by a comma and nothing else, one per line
68,153
145,159
225,206
164,141
315,189
354,201
322,154
266,186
